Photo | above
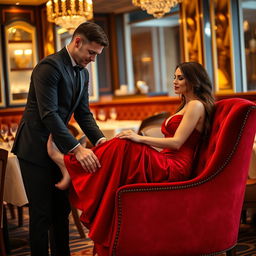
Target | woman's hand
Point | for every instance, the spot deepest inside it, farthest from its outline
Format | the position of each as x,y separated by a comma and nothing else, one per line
130,135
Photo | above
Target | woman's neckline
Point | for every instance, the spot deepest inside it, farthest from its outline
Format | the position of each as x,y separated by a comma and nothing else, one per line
170,118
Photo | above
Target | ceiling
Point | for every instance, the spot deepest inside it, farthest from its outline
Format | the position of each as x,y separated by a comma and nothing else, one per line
100,6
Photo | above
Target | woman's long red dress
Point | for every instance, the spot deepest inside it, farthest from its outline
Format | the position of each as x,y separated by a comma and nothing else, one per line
124,162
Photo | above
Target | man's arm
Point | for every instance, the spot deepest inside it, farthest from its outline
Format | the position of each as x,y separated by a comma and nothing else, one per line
84,118
46,79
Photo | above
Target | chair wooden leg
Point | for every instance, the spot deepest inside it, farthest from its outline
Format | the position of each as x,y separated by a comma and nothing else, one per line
231,252
4,236
77,222
20,216
12,211
254,219
2,246
243,216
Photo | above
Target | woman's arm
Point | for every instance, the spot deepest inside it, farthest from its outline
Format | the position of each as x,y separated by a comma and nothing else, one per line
194,111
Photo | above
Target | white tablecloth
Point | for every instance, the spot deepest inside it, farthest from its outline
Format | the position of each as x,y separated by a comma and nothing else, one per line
14,191
110,128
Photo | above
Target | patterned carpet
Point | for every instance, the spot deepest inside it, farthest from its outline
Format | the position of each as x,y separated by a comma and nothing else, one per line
19,237
83,247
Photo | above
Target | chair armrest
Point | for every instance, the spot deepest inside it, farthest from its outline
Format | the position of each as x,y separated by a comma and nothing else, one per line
173,212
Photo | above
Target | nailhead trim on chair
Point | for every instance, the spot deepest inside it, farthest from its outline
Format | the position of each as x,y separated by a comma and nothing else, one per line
127,190
217,253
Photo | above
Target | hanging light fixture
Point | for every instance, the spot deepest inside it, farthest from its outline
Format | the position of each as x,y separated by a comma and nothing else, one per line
156,7
68,14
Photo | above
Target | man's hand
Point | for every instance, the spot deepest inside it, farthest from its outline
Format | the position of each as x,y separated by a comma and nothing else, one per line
87,159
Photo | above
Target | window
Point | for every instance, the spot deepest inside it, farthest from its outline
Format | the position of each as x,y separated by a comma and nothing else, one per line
249,30
152,53
2,91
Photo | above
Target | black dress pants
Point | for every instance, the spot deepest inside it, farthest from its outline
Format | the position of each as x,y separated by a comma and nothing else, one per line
48,210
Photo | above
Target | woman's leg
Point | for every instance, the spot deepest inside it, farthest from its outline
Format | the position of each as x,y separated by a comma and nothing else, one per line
58,158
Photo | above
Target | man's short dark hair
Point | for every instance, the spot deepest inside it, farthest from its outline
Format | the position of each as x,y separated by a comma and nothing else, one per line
92,32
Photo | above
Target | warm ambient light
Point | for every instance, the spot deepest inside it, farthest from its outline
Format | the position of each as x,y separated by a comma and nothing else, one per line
18,52
146,59
12,30
69,14
21,52
28,52
156,7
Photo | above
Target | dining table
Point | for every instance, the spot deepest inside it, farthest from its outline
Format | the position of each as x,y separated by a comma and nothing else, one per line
14,190
14,194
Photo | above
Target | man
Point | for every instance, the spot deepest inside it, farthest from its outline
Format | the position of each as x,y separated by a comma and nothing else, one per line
57,90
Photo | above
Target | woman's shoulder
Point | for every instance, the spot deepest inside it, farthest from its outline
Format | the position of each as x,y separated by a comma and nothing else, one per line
196,105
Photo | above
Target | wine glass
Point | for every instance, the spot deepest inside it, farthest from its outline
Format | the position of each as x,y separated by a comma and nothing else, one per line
13,129
113,114
101,115
4,131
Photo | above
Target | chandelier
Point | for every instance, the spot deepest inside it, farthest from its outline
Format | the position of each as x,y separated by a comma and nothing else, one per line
156,7
69,14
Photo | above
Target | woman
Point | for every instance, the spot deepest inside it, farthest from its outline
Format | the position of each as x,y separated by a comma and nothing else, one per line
129,158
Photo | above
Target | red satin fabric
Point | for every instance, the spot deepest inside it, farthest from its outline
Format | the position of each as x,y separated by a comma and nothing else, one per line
124,162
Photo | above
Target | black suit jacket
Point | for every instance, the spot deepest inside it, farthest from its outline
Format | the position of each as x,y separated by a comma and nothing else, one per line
50,104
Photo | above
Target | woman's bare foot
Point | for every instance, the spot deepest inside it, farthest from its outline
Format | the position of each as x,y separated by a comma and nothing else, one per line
64,182
58,158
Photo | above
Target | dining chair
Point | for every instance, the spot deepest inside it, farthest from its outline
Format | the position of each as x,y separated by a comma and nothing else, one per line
200,216
3,163
12,210
151,126
250,199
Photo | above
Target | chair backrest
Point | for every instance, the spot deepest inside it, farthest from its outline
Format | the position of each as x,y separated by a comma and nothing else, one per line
230,122
3,163
151,126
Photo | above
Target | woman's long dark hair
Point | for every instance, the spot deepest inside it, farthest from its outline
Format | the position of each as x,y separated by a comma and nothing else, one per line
198,80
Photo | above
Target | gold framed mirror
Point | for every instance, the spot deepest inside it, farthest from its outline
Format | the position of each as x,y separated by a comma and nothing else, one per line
21,57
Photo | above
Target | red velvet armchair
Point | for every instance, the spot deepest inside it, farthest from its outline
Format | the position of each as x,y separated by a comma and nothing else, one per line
200,216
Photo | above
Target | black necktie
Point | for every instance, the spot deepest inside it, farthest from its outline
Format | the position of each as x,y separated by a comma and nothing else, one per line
78,80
